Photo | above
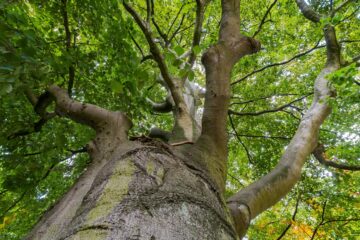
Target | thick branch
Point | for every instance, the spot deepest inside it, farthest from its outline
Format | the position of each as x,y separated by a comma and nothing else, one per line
88,114
257,197
218,62
163,107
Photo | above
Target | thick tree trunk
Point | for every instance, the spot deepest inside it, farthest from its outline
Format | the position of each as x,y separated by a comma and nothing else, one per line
144,191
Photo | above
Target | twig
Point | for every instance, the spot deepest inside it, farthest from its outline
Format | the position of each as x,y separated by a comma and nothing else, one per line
267,111
239,139
279,63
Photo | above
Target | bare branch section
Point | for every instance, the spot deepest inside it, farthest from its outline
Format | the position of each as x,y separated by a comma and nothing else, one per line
40,104
319,154
218,62
268,190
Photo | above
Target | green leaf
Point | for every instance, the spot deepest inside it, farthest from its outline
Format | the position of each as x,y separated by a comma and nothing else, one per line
197,49
179,50
117,86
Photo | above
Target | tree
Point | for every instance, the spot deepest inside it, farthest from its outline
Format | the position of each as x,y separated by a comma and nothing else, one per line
61,55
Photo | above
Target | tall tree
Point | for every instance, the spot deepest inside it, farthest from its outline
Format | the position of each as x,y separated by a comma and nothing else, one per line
113,66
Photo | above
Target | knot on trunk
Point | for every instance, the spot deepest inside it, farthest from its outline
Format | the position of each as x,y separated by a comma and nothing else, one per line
255,44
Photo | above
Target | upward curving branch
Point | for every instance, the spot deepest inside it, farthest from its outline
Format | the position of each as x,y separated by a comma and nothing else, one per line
218,62
111,127
262,194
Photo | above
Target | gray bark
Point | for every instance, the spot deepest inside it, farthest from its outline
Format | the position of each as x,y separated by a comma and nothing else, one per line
144,191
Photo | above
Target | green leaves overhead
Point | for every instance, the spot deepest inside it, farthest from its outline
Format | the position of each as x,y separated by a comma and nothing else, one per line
115,70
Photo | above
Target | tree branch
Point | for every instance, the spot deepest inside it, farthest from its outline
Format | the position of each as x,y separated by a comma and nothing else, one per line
264,18
158,57
342,5
292,218
88,114
307,11
319,154
200,10
68,44
279,63
267,111
268,190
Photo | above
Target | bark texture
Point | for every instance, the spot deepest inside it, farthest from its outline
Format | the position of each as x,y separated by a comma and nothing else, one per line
144,192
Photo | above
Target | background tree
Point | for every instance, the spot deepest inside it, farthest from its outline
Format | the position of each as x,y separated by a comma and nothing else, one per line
223,125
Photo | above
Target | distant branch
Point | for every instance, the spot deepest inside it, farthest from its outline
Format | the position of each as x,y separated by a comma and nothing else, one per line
307,11
321,222
342,5
264,18
239,139
200,10
267,111
319,154
279,63
292,219
263,136
158,57
68,44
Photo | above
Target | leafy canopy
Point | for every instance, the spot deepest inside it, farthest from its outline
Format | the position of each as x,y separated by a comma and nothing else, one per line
39,162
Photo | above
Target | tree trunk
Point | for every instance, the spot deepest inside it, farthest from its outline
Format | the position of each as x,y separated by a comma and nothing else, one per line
144,191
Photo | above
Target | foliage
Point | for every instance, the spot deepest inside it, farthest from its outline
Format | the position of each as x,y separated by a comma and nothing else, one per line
107,50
